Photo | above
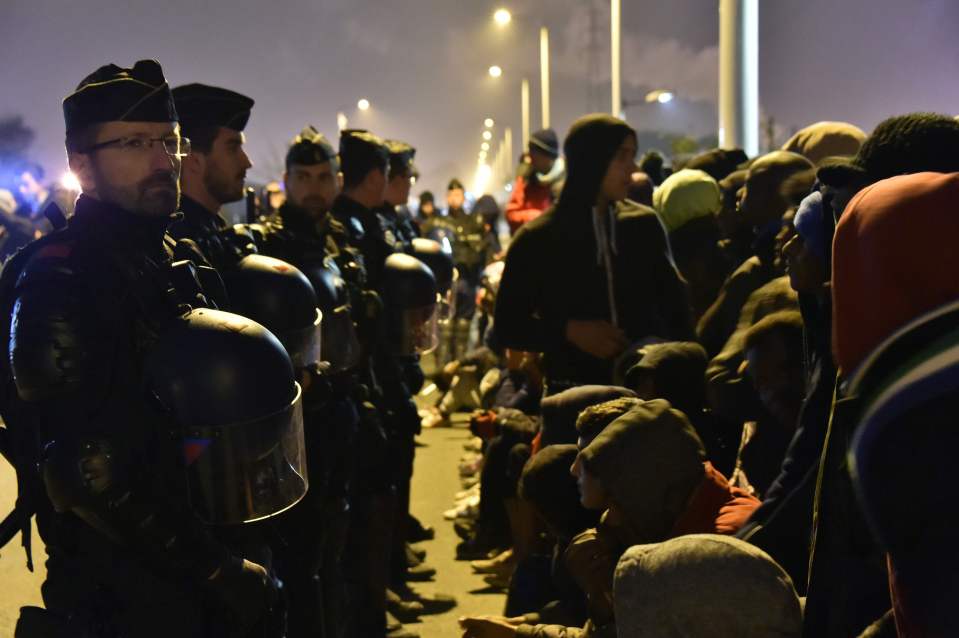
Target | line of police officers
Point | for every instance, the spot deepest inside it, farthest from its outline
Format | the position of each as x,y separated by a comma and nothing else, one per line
196,467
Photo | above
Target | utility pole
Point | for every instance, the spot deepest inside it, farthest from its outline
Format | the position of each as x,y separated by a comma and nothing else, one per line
524,99
739,75
616,22
544,72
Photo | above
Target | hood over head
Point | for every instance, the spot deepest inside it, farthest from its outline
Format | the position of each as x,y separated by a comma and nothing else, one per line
678,369
818,141
549,487
704,585
719,162
561,410
894,258
590,145
649,461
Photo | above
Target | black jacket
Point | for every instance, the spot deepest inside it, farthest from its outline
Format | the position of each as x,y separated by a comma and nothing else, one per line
552,275
210,232
90,302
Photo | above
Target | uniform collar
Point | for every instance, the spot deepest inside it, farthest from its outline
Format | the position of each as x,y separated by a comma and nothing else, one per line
115,224
195,214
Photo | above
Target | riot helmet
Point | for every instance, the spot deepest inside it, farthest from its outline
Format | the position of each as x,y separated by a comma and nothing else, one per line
410,302
276,294
341,346
439,258
227,384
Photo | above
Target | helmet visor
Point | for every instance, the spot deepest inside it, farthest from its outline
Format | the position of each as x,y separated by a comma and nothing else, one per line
341,347
304,345
244,472
418,330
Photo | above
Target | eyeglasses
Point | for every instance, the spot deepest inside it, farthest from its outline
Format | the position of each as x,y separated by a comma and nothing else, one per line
174,145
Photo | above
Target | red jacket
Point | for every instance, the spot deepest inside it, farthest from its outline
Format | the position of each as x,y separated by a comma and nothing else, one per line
528,201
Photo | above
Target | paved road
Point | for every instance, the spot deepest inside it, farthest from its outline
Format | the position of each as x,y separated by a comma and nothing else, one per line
435,481
434,484
18,587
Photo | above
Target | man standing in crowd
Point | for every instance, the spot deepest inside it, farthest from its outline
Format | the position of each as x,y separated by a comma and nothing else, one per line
127,555
539,183
594,273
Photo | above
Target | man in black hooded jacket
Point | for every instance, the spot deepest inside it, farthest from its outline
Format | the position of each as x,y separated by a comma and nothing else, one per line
594,273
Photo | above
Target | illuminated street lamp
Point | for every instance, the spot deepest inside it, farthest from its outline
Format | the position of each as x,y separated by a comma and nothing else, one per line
495,71
485,146
660,95
363,104
488,122
487,135
503,18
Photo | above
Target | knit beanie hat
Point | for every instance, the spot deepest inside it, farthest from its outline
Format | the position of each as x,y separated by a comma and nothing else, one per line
809,224
685,196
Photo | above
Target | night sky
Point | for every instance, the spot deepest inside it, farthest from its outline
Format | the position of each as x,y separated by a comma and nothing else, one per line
422,64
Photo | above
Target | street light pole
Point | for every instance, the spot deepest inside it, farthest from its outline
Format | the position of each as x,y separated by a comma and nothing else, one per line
508,152
739,75
525,106
544,72
616,56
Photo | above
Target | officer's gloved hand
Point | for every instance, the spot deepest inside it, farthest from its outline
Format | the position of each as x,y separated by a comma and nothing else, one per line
246,590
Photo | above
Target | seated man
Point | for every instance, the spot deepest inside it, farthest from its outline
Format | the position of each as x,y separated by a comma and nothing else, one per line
648,471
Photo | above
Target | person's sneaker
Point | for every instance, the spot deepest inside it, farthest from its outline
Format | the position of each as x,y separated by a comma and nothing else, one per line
474,445
504,563
473,549
468,508
464,528
435,603
402,610
416,532
420,573
470,491
471,465
435,419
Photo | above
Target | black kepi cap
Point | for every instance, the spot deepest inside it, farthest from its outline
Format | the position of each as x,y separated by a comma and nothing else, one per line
361,148
115,94
200,105
310,147
401,157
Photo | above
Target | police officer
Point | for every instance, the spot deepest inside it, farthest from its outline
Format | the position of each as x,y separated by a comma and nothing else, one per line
471,253
304,232
213,174
398,225
91,305
399,378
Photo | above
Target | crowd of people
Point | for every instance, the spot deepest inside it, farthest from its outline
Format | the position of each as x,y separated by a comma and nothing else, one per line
719,395
707,397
